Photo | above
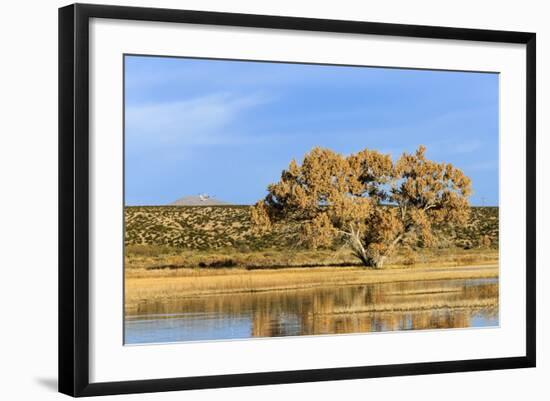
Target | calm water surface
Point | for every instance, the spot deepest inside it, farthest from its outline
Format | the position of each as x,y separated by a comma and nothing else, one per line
348,309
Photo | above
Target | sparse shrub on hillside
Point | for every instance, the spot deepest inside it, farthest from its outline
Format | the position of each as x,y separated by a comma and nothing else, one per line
409,258
485,241
181,232
223,263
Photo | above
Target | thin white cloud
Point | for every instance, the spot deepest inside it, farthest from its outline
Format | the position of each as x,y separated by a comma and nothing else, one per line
202,120
191,75
254,74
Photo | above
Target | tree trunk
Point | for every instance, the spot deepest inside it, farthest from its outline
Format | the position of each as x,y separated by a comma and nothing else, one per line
382,258
380,262
359,251
357,248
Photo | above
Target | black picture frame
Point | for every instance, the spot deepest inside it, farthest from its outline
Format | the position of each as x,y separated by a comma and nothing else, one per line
74,198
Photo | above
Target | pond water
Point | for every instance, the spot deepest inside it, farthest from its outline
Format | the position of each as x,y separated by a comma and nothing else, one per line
348,309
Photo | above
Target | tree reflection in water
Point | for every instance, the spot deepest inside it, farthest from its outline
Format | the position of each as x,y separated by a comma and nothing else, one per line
349,309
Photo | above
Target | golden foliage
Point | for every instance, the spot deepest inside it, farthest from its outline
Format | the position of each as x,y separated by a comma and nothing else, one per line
367,199
318,232
260,217
485,241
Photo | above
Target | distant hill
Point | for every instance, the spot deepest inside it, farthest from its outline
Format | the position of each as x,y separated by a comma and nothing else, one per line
222,225
198,200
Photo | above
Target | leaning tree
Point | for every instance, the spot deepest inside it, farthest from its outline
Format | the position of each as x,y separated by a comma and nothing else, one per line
367,200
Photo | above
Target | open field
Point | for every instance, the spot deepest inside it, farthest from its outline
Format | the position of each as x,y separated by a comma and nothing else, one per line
160,258
196,251
144,285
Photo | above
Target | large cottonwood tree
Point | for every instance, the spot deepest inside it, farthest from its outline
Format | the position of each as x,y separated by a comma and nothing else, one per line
371,202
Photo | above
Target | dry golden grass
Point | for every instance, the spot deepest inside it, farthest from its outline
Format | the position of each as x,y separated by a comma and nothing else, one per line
142,285
436,298
151,257
421,306
145,257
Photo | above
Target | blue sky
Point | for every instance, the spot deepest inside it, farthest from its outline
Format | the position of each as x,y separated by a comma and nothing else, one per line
228,128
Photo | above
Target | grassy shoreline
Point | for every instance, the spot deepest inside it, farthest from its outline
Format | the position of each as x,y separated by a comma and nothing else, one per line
161,258
209,260
146,285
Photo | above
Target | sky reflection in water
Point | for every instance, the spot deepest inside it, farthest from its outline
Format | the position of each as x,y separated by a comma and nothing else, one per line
351,309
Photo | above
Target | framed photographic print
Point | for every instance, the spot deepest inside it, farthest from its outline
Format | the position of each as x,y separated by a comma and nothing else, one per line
251,199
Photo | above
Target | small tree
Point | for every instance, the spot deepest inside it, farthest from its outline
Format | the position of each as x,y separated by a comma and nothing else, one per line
485,241
366,199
